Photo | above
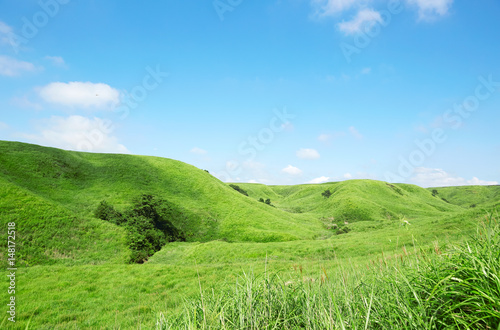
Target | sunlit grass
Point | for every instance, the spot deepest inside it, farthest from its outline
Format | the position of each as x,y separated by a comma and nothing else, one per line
459,289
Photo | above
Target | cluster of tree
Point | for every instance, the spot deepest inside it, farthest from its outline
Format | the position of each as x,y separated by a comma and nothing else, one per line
148,223
435,194
238,189
267,201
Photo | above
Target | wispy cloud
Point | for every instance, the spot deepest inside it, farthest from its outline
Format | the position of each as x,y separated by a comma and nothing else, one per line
327,138
76,133
56,61
436,177
198,151
80,95
321,179
12,67
363,20
307,154
6,33
292,170
366,70
354,132
24,102
332,7
431,9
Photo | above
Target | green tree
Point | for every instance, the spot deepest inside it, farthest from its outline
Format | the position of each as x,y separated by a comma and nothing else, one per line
326,194
107,212
148,223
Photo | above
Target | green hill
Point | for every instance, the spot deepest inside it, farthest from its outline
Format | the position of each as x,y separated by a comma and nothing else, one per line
63,188
68,186
487,197
52,194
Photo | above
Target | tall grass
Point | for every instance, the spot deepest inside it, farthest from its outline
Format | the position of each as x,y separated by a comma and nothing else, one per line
458,289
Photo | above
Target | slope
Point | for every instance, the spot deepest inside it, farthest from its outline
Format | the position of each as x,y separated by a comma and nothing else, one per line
355,200
79,181
487,197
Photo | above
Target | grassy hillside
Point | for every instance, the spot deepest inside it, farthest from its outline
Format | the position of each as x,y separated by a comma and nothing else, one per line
485,197
73,270
72,184
354,200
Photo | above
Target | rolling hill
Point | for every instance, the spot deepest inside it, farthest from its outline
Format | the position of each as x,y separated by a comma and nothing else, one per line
51,195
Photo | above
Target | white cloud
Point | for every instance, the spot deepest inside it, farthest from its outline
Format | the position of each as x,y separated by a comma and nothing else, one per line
364,19
77,133
430,9
24,102
307,154
198,151
80,94
6,33
347,176
11,67
366,71
292,170
3,126
56,60
436,177
332,7
321,179
354,132
324,137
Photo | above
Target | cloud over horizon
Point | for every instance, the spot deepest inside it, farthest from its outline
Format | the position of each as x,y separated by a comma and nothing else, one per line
436,177
77,133
292,170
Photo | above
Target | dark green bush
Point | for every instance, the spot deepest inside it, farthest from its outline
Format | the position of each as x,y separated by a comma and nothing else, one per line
238,189
326,194
149,225
267,201
107,212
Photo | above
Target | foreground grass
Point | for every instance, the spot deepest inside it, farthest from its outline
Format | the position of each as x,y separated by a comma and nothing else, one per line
459,289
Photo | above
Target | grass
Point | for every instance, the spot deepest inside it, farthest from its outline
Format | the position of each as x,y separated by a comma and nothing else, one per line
459,289
72,267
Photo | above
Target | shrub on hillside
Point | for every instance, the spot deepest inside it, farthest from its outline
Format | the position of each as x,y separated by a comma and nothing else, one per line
343,230
149,225
267,201
107,212
238,189
326,194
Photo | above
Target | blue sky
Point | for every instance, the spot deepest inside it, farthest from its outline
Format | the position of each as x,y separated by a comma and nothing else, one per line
276,92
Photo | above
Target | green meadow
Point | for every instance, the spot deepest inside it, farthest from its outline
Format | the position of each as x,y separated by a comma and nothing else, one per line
303,260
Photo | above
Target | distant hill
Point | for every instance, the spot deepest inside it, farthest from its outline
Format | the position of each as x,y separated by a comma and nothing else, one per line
51,194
